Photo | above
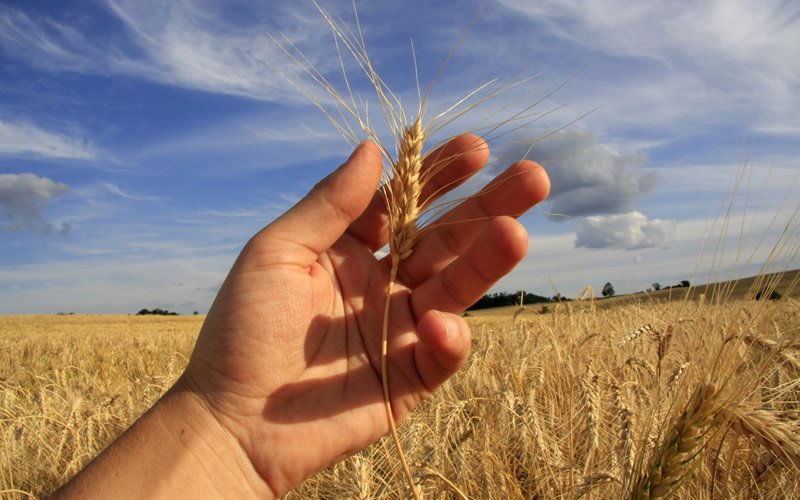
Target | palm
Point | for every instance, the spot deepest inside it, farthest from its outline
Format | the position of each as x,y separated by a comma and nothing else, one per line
308,364
293,338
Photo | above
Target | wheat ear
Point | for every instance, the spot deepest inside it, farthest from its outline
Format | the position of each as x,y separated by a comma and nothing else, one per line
403,195
675,454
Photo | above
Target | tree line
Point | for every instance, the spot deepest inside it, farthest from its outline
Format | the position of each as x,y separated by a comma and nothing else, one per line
501,299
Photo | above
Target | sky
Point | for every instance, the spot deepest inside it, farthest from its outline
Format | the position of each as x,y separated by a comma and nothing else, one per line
143,142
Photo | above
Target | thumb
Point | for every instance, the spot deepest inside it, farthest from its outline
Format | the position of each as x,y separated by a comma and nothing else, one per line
319,219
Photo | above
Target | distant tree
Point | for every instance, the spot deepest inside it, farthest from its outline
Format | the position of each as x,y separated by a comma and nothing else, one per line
766,294
685,283
656,286
195,313
157,311
501,299
608,290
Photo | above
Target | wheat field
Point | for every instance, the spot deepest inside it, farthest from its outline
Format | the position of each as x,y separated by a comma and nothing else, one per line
689,398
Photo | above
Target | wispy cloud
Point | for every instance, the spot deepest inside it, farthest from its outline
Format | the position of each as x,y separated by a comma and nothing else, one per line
26,139
682,64
252,141
47,43
114,189
179,43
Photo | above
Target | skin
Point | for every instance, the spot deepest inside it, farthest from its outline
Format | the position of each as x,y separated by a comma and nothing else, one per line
285,376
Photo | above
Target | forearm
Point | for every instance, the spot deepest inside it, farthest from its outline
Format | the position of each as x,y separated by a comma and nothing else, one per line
175,450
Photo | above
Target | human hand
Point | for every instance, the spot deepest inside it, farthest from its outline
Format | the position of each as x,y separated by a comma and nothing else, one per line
288,360
285,375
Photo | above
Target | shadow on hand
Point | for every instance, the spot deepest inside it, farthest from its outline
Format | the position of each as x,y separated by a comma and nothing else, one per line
343,368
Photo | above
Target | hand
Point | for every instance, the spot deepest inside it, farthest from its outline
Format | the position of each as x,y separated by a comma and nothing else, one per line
289,356
285,376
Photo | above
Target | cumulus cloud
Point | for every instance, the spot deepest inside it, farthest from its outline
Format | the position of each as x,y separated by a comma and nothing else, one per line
23,198
588,178
630,231
28,139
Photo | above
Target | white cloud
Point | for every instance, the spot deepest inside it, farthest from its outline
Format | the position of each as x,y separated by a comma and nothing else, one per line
588,178
45,43
177,43
630,231
681,65
23,198
109,284
248,142
18,139
114,189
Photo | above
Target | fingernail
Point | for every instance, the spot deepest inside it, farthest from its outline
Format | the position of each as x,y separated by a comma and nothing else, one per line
450,326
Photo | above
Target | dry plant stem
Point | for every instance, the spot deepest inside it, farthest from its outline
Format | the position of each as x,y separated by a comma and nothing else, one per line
403,206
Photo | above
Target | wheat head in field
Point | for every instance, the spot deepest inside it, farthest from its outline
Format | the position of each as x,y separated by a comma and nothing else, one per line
701,402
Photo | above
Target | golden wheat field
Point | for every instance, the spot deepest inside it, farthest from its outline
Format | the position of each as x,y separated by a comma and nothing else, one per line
688,398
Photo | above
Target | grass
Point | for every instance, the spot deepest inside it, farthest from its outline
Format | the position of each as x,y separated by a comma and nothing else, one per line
547,405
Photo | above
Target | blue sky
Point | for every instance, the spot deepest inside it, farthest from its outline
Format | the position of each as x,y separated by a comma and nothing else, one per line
143,142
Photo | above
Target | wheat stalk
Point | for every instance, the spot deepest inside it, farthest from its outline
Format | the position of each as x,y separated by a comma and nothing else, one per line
590,409
402,196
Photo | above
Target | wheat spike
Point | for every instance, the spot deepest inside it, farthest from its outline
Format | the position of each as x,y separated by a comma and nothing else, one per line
667,468
624,446
677,374
590,409
647,328
405,191
402,196
771,433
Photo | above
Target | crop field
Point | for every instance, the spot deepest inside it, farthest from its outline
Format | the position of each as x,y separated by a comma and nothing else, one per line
689,397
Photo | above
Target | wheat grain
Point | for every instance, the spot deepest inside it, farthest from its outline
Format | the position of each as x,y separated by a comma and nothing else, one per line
677,374
635,334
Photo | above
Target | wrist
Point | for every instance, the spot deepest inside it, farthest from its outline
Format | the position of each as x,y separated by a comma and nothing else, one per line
210,454
178,449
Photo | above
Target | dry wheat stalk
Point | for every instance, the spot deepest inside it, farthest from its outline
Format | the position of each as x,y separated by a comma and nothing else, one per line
590,409
591,480
634,362
402,196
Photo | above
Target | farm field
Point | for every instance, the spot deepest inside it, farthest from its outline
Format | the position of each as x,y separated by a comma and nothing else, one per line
786,283
688,397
